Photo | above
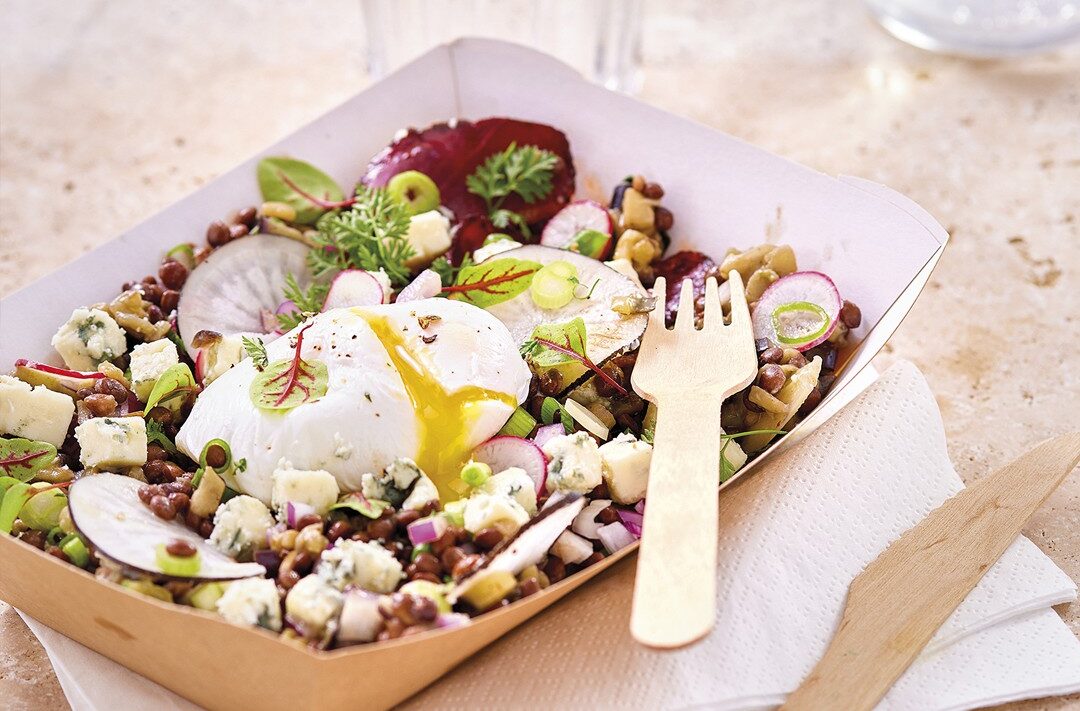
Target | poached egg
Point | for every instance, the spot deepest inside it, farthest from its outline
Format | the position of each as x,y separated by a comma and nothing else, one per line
429,380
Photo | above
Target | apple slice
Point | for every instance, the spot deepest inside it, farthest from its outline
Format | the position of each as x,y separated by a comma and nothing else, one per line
106,510
61,380
239,282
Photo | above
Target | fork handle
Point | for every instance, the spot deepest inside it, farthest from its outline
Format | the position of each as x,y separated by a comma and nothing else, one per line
675,592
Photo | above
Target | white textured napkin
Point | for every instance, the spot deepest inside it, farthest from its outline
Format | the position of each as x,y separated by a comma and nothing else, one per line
794,534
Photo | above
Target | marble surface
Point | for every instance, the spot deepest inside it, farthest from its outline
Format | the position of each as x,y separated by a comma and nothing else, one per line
110,111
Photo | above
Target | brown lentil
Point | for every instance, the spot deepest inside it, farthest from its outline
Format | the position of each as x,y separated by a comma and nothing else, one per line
172,274
404,518
170,299
146,493
180,501
850,315
812,401
155,452
154,313
57,553
383,528
217,233
451,556
592,560
248,216
771,378
772,354
554,568
237,231
339,529
663,218
529,587
151,293
34,538
180,548
608,515
465,566
427,563
162,415
100,405
653,191
162,507
429,577
488,538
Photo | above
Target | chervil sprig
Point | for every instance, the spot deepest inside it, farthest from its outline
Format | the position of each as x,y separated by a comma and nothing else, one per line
526,171
256,350
307,301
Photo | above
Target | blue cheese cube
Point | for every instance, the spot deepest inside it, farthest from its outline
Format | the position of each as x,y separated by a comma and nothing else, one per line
365,564
423,493
252,602
240,526
35,413
312,604
574,464
515,483
429,236
89,337
317,488
112,442
494,511
149,361
626,463
395,483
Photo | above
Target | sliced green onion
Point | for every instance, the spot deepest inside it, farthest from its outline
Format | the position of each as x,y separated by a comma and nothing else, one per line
175,565
224,446
784,326
73,547
197,478
454,511
561,268
41,511
475,473
520,424
55,535
417,550
183,253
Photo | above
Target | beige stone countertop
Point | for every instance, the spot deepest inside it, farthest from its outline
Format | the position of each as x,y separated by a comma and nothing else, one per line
111,111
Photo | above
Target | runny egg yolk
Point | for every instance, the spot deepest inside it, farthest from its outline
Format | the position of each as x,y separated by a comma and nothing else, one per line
444,420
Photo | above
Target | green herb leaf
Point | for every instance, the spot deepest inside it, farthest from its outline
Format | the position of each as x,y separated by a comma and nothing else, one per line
289,383
372,508
307,301
447,271
295,183
241,464
502,219
492,282
371,235
155,432
23,458
525,171
647,435
256,350
171,388
571,334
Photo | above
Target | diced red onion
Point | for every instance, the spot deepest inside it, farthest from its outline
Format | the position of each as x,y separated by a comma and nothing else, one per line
633,521
268,559
640,506
585,524
296,510
449,620
614,536
546,432
426,530
426,285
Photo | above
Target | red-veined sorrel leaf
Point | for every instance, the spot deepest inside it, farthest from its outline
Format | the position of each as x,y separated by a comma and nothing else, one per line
285,384
492,282
171,388
300,185
23,458
554,344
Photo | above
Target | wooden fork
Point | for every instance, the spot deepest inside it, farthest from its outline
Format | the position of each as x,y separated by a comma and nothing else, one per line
688,373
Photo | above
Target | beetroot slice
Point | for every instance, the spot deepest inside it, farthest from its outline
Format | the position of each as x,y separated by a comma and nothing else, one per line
685,265
448,154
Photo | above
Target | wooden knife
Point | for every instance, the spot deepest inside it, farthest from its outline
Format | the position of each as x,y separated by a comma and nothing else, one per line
900,600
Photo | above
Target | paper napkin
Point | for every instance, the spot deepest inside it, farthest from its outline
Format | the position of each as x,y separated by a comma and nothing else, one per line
794,534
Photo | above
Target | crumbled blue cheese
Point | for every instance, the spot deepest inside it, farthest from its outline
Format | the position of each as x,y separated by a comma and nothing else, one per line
494,511
218,357
394,483
423,493
317,488
35,413
148,362
626,461
574,464
252,602
429,236
312,604
240,526
365,564
89,337
515,483
112,442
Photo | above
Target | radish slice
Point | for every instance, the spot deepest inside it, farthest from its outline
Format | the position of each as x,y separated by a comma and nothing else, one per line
426,285
563,229
615,537
798,311
502,452
238,283
106,510
585,524
354,287
547,432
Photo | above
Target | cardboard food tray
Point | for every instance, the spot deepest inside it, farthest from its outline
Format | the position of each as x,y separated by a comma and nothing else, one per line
877,245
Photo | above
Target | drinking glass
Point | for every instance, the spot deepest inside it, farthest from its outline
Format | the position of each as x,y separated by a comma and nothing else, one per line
599,38
981,28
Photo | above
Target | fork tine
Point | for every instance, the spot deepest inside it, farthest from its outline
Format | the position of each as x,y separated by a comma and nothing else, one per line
714,314
656,316
740,312
684,317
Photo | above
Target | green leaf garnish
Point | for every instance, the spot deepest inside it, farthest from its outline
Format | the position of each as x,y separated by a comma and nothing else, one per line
555,344
175,384
551,407
372,508
289,383
24,458
492,282
371,236
256,349
155,432
307,301
447,272
526,171
300,185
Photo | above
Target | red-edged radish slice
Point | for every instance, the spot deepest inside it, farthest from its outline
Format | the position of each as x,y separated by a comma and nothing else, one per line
106,510
426,285
238,284
502,452
798,311
354,287
60,380
573,219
